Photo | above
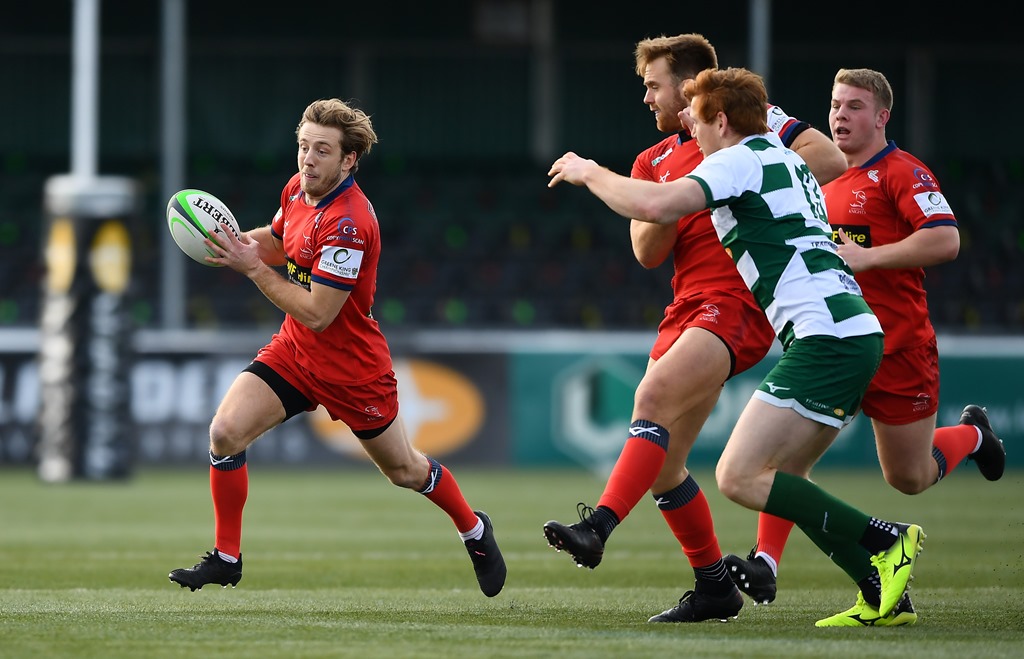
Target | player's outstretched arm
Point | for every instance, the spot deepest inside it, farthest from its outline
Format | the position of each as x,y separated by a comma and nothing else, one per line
661,203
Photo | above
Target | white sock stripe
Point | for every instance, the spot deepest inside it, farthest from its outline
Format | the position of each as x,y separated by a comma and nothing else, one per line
475,533
770,561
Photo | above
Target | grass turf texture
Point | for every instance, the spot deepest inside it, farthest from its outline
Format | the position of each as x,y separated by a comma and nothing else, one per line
341,563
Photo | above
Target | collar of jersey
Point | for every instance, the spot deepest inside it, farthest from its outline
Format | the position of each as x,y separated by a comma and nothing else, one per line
345,185
889,148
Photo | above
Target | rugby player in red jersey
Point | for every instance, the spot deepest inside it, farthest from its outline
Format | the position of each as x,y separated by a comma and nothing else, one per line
712,330
329,351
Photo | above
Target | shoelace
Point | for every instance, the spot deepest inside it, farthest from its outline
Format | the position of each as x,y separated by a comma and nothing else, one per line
687,595
584,511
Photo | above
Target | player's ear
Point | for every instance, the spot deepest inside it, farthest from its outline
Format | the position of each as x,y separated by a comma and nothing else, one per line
883,117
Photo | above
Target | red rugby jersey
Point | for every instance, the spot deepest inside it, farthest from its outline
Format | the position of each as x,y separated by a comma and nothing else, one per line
700,262
336,243
881,202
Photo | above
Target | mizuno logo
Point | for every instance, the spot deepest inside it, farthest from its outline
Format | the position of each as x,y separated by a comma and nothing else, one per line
772,387
867,622
636,430
905,559
661,501
219,461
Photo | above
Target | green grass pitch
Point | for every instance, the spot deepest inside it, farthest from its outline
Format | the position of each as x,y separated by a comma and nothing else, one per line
342,564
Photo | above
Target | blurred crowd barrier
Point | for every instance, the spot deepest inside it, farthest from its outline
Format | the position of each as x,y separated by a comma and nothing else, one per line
498,398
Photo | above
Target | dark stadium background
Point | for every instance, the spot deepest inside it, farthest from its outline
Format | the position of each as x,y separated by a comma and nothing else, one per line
472,237
526,293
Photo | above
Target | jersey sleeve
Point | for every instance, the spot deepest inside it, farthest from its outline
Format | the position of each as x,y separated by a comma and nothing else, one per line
642,168
287,196
341,245
785,126
277,224
916,194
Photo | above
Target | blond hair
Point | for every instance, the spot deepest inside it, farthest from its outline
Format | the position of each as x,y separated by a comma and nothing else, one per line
357,134
869,80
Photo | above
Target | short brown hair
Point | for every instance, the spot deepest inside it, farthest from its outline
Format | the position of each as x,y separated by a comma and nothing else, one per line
357,134
737,92
686,54
867,79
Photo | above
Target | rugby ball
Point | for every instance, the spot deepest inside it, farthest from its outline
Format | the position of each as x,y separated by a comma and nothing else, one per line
193,216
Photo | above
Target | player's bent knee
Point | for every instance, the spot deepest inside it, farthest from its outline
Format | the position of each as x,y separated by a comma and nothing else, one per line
225,438
403,475
732,490
907,483
739,486
729,483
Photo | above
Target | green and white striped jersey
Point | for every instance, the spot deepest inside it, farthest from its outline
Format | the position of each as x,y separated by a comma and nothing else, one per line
769,213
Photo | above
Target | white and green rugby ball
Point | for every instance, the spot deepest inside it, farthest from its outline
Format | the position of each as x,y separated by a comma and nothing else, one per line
193,216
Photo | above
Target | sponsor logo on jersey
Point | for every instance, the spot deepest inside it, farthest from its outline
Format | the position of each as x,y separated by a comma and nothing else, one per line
932,203
347,226
298,274
340,261
857,205
664,177
873,175
345,239
776,118
347,231
925,177
859,234
921,402
849,283
306,251
657,161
